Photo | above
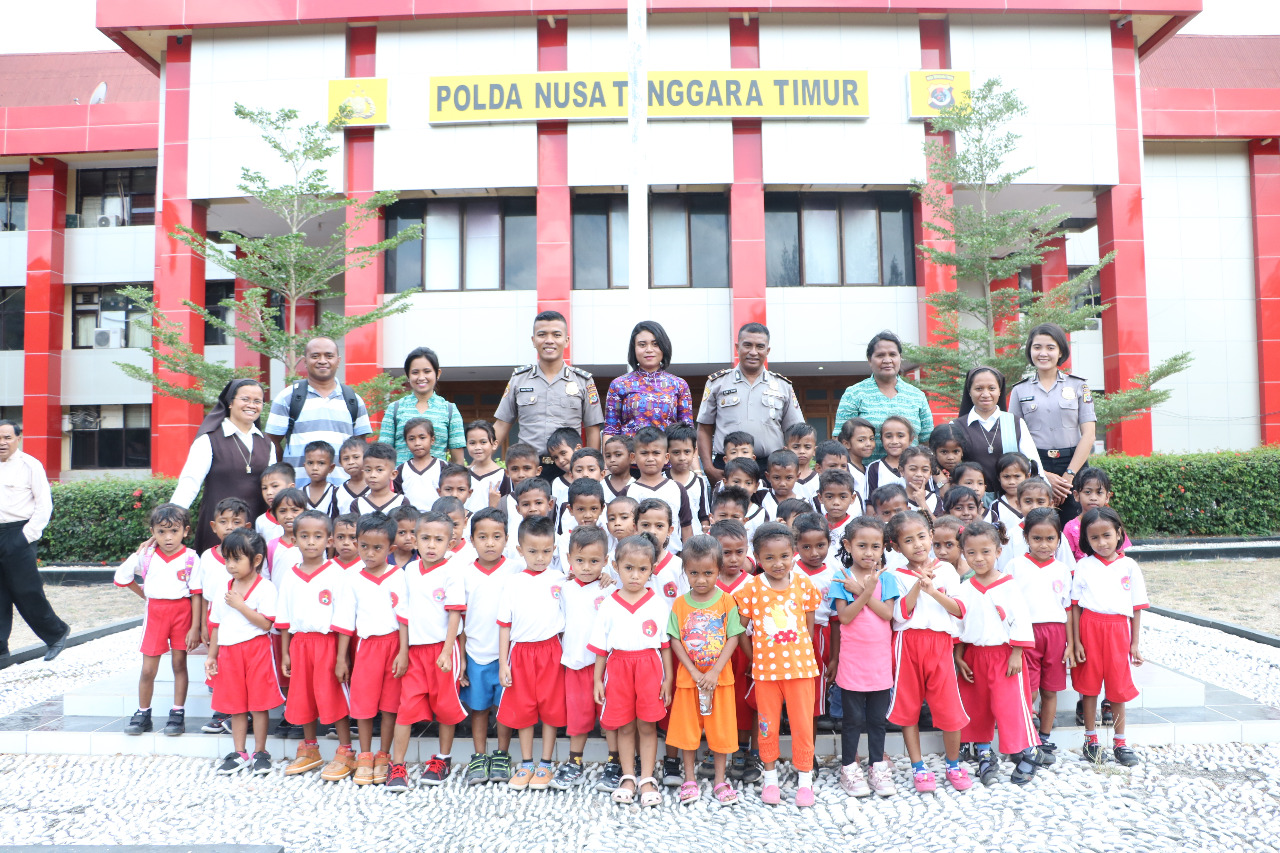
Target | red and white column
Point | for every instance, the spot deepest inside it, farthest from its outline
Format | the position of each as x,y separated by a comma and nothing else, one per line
1125,343
746,196
179,270
42,327
554,205
1052,271
1264,174
362,287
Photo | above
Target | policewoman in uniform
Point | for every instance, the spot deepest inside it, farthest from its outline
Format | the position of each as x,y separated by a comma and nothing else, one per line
1058,409
748,398
542,397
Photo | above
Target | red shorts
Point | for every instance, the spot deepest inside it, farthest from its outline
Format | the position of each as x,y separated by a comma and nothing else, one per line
1043,664
581,711
165,625
373,687
821,653
247,679
1106,638
315,692
428,692
632,688
743,700
537,686
924,670
996,700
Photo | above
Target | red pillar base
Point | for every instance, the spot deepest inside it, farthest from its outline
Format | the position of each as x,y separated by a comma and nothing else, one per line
42,363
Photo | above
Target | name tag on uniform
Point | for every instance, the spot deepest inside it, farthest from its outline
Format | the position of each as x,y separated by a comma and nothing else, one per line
571,388
729,397
525,390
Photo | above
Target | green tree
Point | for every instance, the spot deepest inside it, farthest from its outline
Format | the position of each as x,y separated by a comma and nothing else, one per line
285,268
993,242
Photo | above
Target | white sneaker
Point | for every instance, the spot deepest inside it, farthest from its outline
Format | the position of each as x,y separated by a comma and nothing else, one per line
882,779
853,781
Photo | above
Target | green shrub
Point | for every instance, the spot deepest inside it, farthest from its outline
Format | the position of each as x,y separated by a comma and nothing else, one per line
1197,494
102,521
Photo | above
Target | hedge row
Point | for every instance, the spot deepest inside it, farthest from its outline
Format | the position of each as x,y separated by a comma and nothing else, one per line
101,521
1197,494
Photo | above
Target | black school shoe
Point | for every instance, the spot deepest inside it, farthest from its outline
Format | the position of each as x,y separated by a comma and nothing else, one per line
1126,756
988,767
218,724
754,768
610,778
261,763
672,772
1093,753
140,722
1045,754
233,763
1108,717
177,723
969,752
1025,769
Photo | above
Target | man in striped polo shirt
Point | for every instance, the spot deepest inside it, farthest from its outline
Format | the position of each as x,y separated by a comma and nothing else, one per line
325,415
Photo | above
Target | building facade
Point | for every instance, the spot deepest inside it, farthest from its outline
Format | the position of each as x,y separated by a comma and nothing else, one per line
511,136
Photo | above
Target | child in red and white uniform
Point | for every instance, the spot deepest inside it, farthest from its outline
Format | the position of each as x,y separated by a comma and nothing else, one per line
653,516
736,570
172,620
309,649
437,601
240,662
274,479
840,502
1108,595
372,608
229,514
418,478
1045,584
1092,490
925,624
282,552
817,560
629,640
346,551
1031,494
995,630
530,620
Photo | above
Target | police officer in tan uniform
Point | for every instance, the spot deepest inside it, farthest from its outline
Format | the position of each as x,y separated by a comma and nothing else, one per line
1058,410
747,398
550,394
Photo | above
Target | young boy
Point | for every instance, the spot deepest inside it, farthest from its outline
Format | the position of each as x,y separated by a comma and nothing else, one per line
532,497
455,482
860,445
317,461
736,570
529,624
836,491
731,503
282,552
457,513
561,445
682,447
309,649
782,472
620,520
483,580
351,458
739,445
743,473
229,514
522,464
379,469
173,618
437,602
404,550
802,440
586,464
346,550
704,627
373,607
651,458
789,509
418,478
275,478
653,516
619,456
586,505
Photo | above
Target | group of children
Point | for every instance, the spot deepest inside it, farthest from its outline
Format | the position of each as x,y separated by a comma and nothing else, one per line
430,592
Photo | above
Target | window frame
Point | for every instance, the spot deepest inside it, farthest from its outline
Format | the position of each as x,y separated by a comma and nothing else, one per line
129,193
95,412
607,202
839,198
505,203
686,197
8,198
227,286
8,307
131,312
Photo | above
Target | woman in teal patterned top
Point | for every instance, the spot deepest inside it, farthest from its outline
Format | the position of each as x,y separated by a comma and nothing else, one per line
422,369
884,394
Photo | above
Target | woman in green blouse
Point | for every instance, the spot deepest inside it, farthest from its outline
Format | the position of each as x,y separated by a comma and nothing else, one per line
422,369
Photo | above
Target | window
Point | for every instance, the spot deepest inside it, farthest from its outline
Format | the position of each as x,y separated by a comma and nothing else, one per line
116,197
471,244
599,242
214,293
834,239
13,202
97,307
11,413
111,436
13,301
689,240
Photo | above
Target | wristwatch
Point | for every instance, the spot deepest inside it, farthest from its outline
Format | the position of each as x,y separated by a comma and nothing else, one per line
1070,473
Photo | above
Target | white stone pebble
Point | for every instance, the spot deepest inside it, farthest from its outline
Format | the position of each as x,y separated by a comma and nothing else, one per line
28,683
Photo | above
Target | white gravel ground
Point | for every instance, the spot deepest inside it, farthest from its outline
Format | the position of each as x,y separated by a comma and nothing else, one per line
36,681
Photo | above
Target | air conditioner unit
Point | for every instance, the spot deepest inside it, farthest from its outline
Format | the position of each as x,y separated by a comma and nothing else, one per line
108,338
110,220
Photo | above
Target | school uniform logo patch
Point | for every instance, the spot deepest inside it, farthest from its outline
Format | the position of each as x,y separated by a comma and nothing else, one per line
555,592
437,595
395,600
669,589
1124,581
183,574
1000,612
649,628
326,597
599,600
1058,586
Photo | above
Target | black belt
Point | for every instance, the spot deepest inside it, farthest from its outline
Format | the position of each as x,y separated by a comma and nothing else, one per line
1056,453
9,525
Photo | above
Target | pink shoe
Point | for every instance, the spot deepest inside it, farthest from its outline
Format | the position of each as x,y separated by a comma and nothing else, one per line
771,795
925,783
959,778
804,797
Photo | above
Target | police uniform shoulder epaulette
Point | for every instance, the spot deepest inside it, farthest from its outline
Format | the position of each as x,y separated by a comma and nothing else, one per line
1073,376
780,376
524,368
578,370
713,377
1022,381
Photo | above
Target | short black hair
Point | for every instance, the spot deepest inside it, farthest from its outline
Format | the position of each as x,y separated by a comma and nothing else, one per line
848,428
284,469
316,515
532,484
623,500
355,442
246,543
548,317
732,495
452,469
586,535
740,437
680,431
811,522
521,450
701,547
626,441
403,513
888,492
783,458
831,447
169,513
534,525
800,430
659,337
564,435
587,453
792,507
448,505
1059,336
348,519
414,423
752,329
297,497
772,530
742,465
954,495
318,447
728,528
650,435
489,513
433,517
380,450
233,505
586,487
964,468
836,477
650,504
376,522
884,335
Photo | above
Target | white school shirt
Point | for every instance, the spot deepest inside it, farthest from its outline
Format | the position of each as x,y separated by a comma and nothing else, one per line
621,626
167,578
880,474
560,491
610,494
928,614
281,559
306,603
484,596
675,496
267,526
211,570
1109,588
1018,546
233,627
580,603
514,518
754,520
480,484
994,615
363,505
434,593
328,503
371,606
421,487
345,496
821,580
668,579
807,489
859,482
699,491
530,606
1046,588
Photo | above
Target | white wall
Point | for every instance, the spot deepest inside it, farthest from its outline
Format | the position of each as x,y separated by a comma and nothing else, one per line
472,328
1200,292
90,377
1060,67
412,154
698,321
833,324
12,373
107,255
38,28
1235,17
259,67
13,258
885,148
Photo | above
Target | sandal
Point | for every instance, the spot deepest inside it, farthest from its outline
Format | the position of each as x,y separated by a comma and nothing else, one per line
650,798
725,794
689,793
625,796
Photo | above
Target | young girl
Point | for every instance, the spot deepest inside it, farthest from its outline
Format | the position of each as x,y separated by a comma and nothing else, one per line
818,561
282,552
916,465
859,438
946,544
1108,595
949,444
1092,488
962,502
778,606
995,629
418,477
486,475
863,596
925,621
1045,584
240,661
896,435
1012,470
630,644
653,516
971,476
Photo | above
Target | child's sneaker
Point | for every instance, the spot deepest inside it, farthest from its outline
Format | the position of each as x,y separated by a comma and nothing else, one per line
1108,716
672,772
1046,754
397,778
959,778
969,753
568,775
925,782
520,781
1025,767
988,767
1126,757
332,731
261,763
140,722
233,763
499,766
736,764
177,723
753,769
881,779
308,758
218,724
364,768
381,766
342,766
1092,752
610,777
853,782
436,771
805,797
477,769
706,766
542,776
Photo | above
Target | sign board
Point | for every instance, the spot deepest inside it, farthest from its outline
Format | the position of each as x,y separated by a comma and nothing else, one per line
933,91
365,96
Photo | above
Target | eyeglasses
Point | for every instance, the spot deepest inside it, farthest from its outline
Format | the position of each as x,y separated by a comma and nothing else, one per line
248,401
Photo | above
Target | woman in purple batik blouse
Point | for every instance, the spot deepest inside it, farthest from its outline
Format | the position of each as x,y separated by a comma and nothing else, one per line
648,395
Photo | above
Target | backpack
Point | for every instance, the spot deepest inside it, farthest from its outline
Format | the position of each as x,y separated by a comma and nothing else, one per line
299,399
